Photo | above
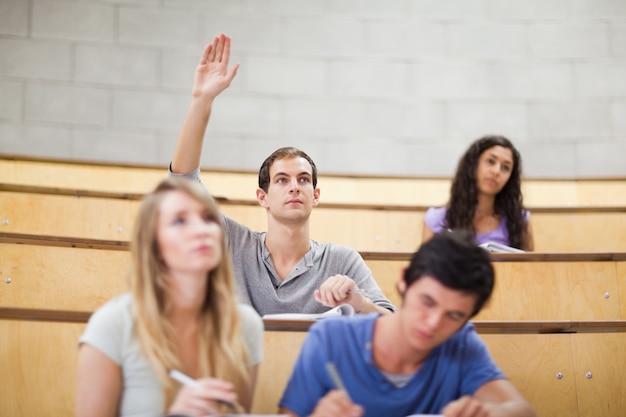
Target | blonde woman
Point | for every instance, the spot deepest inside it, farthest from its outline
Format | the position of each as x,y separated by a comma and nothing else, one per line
181,314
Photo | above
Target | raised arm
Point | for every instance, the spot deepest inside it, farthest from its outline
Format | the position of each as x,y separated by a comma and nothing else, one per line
211,78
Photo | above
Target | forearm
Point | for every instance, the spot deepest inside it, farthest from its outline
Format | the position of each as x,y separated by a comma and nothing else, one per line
190,140
369,306
516,408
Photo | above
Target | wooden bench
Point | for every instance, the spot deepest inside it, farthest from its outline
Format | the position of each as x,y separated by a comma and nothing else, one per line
339,189
107,215
530,286
549,361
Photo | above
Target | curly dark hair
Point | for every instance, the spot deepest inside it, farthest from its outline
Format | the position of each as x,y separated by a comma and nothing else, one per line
284,153
464,192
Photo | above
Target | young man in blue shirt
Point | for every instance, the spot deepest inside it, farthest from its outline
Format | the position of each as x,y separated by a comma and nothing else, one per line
425,359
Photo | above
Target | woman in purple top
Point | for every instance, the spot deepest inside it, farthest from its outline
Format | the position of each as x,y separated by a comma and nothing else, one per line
486,197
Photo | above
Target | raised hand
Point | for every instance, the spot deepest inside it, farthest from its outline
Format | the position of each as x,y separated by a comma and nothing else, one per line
212,74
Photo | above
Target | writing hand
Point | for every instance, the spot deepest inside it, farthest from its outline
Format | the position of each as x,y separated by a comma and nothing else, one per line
203,397
465,406
336,403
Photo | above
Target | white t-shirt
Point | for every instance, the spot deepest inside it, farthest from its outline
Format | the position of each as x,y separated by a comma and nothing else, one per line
110,330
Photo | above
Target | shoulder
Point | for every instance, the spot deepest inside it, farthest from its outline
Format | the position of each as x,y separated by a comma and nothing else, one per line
334,251
466,338
435,218
119,308
110,328
435,214
335,326
250,319
252,331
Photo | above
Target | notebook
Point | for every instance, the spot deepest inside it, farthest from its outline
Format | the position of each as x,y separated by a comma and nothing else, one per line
340,310
495,247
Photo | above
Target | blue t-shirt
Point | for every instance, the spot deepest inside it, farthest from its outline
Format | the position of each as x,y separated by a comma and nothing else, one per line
435,219
455,368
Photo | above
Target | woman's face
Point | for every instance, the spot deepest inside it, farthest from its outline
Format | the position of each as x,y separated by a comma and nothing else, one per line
189,237
494,169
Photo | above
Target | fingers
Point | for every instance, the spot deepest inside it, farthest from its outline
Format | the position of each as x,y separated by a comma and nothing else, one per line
204,397
231,74
465,406
336,403
220,47
336,289
226,52
205,54
213,50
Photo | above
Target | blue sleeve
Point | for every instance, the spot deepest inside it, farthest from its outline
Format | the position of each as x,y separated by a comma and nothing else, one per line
308,382
478,365
435,219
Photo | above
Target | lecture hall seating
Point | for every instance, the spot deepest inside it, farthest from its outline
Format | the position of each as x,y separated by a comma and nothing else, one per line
556,323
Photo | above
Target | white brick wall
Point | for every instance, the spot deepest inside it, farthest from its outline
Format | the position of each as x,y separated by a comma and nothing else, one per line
399,86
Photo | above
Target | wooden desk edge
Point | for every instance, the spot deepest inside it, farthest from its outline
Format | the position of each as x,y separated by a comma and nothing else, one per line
86,243
482,327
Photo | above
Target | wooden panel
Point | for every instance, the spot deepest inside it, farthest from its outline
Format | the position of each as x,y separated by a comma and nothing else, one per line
368,230
555,291
536,290
83,217
621,280
60,278
81,279
280,351
604,356
38,362
387,274
81,176
532,363
335,188
579,232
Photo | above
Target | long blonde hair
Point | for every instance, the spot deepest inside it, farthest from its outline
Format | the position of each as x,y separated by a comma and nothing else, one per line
223,353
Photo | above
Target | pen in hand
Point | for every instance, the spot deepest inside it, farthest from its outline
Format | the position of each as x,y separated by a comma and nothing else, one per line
334,376
187,380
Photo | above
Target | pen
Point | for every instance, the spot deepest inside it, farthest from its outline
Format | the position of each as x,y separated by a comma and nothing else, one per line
334,375
187,380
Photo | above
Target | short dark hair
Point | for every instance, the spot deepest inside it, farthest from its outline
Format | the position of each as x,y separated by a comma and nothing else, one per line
457,262
284,153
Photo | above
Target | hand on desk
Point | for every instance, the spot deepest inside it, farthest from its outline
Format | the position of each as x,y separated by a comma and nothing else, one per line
465,406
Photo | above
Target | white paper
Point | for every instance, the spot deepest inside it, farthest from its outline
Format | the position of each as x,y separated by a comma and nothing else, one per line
340,310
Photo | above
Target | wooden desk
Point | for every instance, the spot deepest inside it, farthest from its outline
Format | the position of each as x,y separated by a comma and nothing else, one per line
38,351
533,333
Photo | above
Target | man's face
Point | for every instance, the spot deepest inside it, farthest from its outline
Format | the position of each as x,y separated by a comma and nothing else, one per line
290,194
432,313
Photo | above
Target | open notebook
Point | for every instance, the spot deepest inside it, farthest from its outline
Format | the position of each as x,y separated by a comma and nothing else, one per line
499,248
340,310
